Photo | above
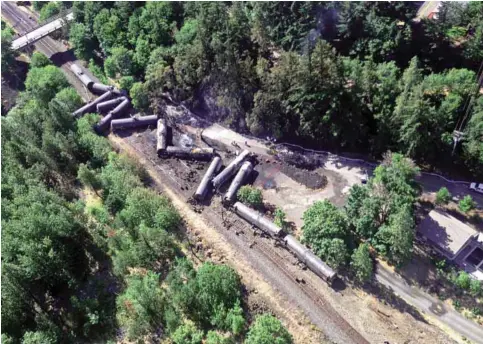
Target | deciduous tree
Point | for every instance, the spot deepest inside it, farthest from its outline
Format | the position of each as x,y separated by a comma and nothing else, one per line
268,330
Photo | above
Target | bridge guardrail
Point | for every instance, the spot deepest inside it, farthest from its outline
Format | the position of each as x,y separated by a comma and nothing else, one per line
49,20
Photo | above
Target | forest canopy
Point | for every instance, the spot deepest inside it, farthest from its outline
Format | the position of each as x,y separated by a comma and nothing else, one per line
361,76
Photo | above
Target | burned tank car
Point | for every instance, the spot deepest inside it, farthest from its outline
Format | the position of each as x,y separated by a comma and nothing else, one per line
100,88
313,262
205,183
189,153
230,170
133,122
161,134
105,122
240,177
109,104
90,107
257,219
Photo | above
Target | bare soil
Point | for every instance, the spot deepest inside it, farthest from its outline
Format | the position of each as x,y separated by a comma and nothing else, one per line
265,286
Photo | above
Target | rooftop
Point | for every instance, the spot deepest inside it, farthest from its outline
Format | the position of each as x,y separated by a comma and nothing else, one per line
448,233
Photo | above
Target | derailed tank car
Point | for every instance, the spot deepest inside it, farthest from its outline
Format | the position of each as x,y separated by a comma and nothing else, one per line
134,122
161,134
240,177
109,104
89,107
257,219
313,262
115,113
85,79
100,88
202,190
190,153
230,170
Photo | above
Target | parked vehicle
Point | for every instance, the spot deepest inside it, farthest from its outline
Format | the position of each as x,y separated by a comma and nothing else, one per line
477,187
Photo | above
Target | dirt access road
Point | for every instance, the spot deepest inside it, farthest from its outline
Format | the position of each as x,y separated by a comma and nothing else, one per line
269,271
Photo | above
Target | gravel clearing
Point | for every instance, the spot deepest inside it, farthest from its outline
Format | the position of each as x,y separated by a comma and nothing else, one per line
266,278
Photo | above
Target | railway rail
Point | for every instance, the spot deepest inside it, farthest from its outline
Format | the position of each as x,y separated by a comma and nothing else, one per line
265,245
240,226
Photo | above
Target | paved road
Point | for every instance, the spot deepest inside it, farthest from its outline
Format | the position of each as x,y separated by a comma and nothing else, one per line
430,305
41,32
412,295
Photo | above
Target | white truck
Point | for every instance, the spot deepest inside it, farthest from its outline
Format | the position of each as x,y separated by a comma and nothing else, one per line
477,187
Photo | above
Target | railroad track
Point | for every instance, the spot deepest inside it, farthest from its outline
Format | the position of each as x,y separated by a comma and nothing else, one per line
46,45
238,224
227,218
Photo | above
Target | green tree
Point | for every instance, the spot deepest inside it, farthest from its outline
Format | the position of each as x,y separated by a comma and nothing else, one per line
92,145
8,54
44,83
106,27
88,177
39,60
187,334
51,9
210,296
476,288
81,39
140,306
120,62
213,337
139,96
146,206
119,177
151,248
443,196
473,145
362,264
463,281
126,82
395,240
268,330
325,229
466,204
218,291
250,195
38,5
39,337
187,33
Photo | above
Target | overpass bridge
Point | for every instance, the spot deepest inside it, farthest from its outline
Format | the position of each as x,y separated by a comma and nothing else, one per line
40,32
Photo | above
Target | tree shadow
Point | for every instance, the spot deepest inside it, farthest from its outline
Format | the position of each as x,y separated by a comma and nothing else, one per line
387,296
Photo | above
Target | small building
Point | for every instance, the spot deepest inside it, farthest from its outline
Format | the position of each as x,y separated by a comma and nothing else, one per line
454,239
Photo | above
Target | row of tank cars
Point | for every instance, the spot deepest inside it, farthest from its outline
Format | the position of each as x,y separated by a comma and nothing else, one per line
116,103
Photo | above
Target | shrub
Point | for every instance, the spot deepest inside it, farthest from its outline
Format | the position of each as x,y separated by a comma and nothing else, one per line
466,204
39,60
443,196
126,82
475,288
463,281
279,219
250,195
